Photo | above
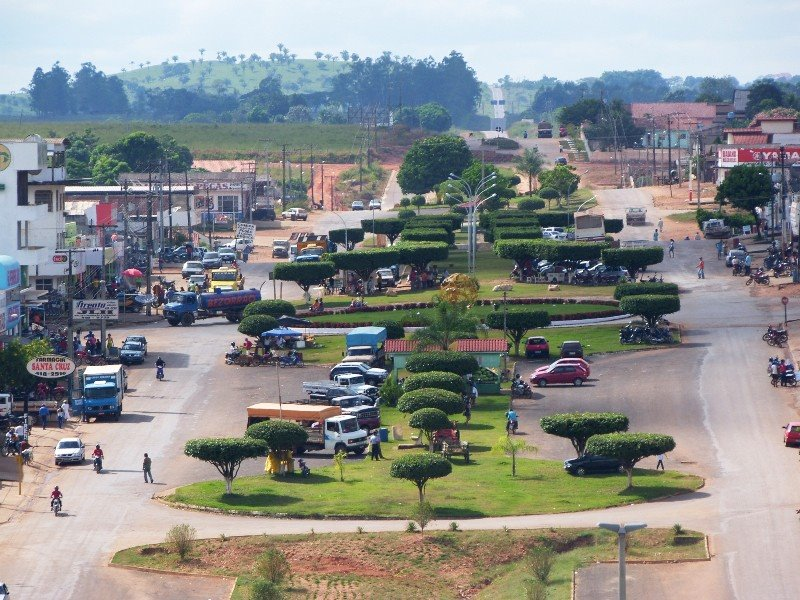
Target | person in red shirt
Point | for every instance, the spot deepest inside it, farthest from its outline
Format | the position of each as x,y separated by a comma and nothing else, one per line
55,494
97,454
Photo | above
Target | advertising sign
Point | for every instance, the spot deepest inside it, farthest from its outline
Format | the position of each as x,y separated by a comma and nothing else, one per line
50,366
730,157
246,231
97,310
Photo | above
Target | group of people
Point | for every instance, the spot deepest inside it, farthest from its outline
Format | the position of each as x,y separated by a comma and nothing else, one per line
92,345
428,278
62,415
318,305
780,371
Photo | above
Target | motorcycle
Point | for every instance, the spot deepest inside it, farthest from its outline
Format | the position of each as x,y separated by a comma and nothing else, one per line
232,355
98,464
652,279
520,389
295,359
511,426
56,508
773,336
160,372
304,470
738,269
760,277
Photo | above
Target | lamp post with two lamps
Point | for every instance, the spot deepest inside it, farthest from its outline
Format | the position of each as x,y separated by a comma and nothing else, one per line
482,187
622,530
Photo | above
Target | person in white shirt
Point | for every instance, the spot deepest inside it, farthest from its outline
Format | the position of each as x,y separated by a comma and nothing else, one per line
660,462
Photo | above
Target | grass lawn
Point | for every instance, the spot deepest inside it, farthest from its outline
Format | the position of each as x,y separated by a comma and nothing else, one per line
482,488
441,564
328,351
683,217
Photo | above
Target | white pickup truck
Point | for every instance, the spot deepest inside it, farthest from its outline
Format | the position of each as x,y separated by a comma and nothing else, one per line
353,383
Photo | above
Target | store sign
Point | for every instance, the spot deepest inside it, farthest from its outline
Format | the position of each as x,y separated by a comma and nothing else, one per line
50,366
246,231
5,157
97,310
730,157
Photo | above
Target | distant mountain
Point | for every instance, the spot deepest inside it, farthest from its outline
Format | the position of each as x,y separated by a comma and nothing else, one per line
298,76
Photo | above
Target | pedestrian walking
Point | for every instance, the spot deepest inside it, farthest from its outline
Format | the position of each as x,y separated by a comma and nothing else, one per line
60,417
467,411
701,269
671,248
655,235
748,263
374,446
146,466
660,225
660,462
44,413
65,408
474,396
719,246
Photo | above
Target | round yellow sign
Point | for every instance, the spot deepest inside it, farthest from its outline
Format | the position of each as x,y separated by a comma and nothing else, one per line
5,157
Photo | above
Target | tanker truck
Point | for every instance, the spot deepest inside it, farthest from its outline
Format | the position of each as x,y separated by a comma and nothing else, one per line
186,307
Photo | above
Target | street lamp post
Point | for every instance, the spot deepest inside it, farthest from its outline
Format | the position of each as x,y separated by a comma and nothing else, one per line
505,288
621,531
483,186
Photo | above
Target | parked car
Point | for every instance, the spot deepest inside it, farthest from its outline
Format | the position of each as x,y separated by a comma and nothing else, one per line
237,245
192,267
198,280
374,204
561,160
791,434
610,274
131,353
385,277
266,213
140,339
212,260
566,361
571,349
536,346
69,450
573,374
295,214
305,258
593,463
227,255
357,205
372,376
736,252
280,252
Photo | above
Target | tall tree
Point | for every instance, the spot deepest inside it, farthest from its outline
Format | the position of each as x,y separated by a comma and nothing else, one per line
746,187
50,92
530,164
629,448
578,427
430,161
449,323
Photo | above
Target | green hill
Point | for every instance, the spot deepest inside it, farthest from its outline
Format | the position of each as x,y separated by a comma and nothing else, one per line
298,76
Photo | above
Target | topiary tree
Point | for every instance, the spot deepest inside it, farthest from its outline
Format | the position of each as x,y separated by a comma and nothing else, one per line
446,401
418,201
226,454
420,468
578,427
390,392
549,194
441,380
613,225
460,363
645,289
391,228
530,204
278,435
394,331
650,308
428,421
630,448
273,308
517,323
348,238
305,274
429,235
406,213
255,325
364,262
633,259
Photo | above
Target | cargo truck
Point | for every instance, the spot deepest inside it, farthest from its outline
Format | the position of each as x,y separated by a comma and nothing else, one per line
102,392
589,228
636,215
363,408
187,307
365,345
327,428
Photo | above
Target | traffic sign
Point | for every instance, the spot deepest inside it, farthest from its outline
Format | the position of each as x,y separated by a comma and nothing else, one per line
785,300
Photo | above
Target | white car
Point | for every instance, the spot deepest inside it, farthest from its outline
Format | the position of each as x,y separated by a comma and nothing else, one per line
69,450
192,267
357,205
295,214
374,204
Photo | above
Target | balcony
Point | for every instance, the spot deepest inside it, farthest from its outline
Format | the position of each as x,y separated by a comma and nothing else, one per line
49,175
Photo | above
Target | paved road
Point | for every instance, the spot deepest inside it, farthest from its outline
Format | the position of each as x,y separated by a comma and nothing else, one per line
711,394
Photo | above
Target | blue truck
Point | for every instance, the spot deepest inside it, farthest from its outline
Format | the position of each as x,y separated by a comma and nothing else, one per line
187,307
103,389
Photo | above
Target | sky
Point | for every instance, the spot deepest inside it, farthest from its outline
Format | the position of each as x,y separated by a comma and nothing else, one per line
566,39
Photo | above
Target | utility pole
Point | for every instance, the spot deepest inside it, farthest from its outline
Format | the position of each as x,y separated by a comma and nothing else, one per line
70,328
669,153
361,166
322,179
208,218
653,141
283,176
783,199
103,283
160,184
188,204
169,203
125,227
311,175
149,269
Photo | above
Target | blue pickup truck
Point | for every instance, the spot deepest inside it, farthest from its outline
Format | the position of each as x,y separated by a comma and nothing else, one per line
186,307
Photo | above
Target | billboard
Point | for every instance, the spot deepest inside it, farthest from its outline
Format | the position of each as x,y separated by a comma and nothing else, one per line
730,157
95,310
246,231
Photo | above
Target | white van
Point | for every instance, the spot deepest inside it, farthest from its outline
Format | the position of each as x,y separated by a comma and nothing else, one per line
6,404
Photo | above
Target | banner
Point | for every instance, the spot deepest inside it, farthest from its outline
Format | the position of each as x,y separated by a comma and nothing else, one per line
246,231
97,310
50,366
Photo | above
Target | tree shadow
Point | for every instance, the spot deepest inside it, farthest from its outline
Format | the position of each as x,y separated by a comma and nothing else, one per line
476,426
297,479
235,501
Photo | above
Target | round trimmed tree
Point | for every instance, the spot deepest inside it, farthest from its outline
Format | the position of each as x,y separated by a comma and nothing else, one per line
448,402
650,307
517,323
420,468
460,363
578,427
428,421
255,325
273,308
226,454
435,379
278,435
630,448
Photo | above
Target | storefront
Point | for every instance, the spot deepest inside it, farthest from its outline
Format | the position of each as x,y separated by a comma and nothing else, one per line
10,307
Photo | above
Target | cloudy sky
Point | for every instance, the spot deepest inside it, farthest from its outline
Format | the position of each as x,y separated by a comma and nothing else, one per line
567,39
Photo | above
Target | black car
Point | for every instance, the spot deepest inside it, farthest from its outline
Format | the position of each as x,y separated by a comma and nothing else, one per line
592,463
264,214
372,376
571,350
280,252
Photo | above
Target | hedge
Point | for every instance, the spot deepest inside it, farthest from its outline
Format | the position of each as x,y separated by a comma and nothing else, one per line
633,259
522,250
441,380
406,213
394,331
613,225
426,223
428,235
460,363
454,218
531,204
553,219
645,288
448,402
515,233
273,308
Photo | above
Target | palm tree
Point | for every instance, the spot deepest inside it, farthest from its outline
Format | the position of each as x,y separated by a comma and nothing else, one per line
175,58
530,163
449,323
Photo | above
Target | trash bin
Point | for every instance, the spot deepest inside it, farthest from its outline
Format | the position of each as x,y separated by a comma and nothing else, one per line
383,432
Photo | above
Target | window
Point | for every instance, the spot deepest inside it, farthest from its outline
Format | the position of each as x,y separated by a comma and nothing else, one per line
22,234
227,203
44,283
22,188
331,427
44,197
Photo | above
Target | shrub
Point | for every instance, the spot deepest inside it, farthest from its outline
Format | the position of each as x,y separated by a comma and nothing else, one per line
460,363
448,402
553,219
404,202
639,289
273,308
390,392
423,514
516,233
428,235
502,143
182,538
651,308
418,200
273,566
394,331
633,259
530,204
613,225
262,589
441,380
255,325
534,590
429,420
278,435
406,213
540,561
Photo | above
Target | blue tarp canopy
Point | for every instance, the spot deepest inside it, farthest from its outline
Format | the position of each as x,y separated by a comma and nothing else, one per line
281,332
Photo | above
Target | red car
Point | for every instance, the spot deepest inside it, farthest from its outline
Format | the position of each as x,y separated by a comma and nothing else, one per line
565,361
537,346
791,434
573,374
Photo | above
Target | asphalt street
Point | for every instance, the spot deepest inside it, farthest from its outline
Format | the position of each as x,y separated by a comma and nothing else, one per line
711,394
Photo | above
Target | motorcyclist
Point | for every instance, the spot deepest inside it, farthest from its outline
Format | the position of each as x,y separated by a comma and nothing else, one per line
54,495
97,454
160,361
511,419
